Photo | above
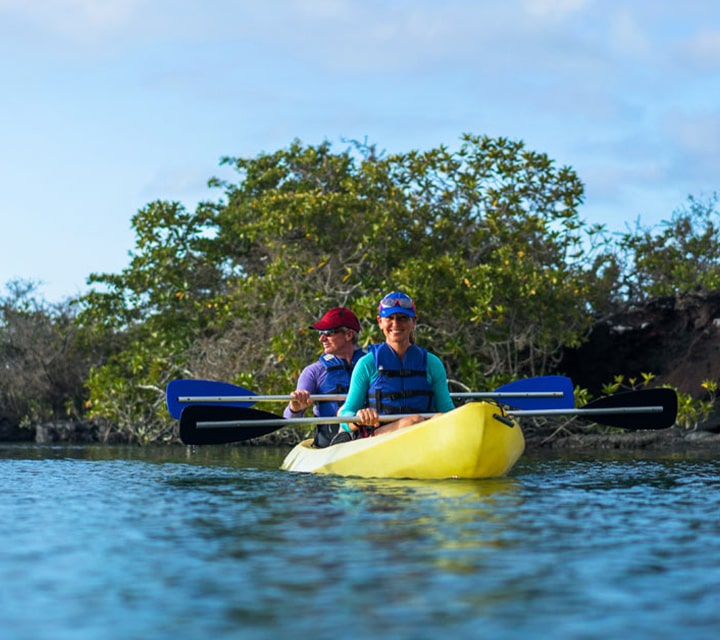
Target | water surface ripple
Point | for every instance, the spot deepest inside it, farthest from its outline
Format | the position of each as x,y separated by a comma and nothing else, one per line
116,543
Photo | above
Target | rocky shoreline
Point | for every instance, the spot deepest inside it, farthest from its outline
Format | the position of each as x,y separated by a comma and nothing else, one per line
666,440
60,432
675,439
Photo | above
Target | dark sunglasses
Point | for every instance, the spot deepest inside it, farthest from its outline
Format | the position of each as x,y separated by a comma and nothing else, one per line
389,303
330,332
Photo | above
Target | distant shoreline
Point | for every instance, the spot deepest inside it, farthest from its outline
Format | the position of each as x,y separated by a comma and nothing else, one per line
665,440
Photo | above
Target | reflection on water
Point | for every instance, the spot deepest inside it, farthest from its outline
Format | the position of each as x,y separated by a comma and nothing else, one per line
240,457
218,542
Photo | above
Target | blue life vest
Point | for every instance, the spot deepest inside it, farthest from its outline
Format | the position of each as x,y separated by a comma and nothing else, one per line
337,380
401,385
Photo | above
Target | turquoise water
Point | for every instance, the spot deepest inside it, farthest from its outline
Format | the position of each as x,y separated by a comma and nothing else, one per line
115,543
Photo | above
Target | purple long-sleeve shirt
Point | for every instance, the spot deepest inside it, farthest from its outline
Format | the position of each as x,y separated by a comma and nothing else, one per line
310,380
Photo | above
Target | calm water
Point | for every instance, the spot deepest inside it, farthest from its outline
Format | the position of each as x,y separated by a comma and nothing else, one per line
129,543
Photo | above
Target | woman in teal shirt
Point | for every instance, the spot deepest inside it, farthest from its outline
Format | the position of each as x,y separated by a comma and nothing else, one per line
396,376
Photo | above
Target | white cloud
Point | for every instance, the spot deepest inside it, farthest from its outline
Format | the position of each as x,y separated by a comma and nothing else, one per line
696,134
703,48
557,9
72,16
627,36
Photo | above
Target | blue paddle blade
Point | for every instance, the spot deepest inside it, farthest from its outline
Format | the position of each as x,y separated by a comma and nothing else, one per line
177,389
542,384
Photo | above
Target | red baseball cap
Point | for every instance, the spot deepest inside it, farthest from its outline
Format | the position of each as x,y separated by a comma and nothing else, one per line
338,317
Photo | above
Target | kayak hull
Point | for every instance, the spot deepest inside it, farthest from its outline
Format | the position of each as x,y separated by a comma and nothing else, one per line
472,441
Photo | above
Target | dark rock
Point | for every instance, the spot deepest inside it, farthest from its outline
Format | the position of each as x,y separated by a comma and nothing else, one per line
12,432
75,431
675,338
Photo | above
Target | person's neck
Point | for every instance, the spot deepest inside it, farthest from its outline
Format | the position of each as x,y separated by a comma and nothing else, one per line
346,353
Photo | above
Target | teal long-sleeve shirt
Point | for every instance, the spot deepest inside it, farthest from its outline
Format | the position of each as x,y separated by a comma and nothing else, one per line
365,373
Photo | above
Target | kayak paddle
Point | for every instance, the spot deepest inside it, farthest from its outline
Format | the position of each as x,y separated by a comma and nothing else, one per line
641,410
546,392
646,409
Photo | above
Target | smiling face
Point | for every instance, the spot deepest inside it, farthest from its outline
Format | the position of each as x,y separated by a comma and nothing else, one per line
337,342
397,328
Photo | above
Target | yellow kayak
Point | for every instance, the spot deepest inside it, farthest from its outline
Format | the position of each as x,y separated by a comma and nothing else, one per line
472,441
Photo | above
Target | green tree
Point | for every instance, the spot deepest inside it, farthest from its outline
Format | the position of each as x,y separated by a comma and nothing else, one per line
487,239
44,358
678,255
500,263
150,314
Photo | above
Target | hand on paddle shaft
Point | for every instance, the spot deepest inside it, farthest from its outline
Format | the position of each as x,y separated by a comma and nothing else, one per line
646,409
300,401
544,392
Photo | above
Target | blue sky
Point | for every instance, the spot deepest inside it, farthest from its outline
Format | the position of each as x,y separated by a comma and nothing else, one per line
108,105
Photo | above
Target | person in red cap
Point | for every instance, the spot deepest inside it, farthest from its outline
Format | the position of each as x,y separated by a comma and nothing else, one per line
338,332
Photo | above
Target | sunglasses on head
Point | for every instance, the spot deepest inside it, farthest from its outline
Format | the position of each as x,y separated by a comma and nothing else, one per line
330,332
389,303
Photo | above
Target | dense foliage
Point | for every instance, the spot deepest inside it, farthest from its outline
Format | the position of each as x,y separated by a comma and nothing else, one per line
45,357
488,240
684,254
